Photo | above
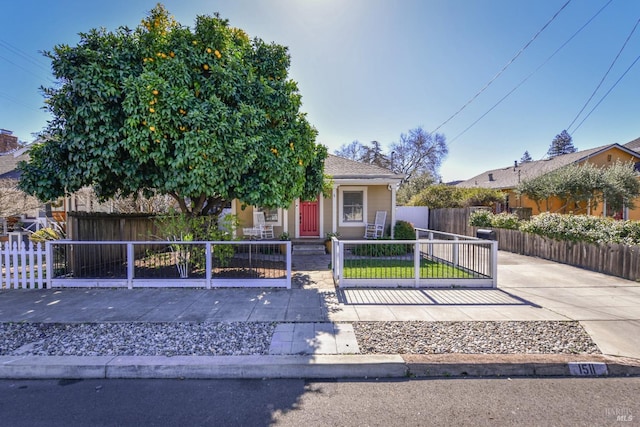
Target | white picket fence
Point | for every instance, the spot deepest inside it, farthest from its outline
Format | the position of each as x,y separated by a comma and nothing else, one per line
23,266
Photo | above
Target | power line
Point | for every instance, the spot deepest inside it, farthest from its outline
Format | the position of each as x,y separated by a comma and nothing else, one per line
605,75
24,55
608,92
27,70
533,72
504,68
16,101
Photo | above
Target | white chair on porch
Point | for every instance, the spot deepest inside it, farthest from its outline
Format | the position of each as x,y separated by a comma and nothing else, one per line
375,230
264,231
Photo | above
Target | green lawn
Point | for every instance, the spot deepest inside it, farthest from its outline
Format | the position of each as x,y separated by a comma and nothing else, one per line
372,268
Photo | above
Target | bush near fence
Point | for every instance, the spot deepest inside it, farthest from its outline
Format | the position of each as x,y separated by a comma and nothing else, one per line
615,259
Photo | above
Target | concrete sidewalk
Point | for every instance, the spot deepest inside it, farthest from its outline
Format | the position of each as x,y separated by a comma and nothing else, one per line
528,289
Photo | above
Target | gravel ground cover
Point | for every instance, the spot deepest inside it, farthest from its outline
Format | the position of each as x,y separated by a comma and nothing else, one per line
136,339
540,337
254,338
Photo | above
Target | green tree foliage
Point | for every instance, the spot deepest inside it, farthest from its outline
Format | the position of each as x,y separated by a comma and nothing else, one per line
445,196
415,185
204,115
561,144
617,184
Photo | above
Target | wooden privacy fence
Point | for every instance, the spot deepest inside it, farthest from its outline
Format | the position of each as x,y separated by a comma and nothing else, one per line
23,266
613,259
110,227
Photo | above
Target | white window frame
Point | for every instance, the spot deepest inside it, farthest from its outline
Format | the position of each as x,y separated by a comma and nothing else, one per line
277,223
349,189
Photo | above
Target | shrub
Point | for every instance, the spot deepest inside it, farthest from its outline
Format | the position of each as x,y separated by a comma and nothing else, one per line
583,228
480,218
446,196
505,220
403,230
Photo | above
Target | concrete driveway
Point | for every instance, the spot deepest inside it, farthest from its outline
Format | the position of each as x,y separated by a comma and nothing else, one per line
608,307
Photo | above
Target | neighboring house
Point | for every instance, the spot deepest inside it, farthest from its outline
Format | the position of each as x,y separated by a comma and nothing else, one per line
359,190
18,211
507,179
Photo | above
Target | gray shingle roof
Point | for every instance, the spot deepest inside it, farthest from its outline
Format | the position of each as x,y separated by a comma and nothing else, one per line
510,176
633,145
341,168
8,164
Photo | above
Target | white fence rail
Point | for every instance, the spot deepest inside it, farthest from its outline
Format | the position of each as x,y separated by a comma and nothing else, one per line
23,265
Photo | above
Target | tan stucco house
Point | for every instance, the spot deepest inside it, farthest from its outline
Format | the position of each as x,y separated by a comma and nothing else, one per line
508,178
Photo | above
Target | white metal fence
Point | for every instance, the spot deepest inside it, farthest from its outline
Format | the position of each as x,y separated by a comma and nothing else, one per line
23,265
65,263
448,261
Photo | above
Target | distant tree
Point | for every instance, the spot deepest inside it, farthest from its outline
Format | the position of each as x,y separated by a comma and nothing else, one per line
352,151
561,144
618,185
370,154
526,157
13,201
445,196
410,188
419,152
204,115
374,156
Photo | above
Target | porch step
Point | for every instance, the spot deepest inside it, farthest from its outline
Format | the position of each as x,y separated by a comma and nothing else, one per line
307,249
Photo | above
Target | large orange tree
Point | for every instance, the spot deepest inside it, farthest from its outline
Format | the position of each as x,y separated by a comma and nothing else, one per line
204,115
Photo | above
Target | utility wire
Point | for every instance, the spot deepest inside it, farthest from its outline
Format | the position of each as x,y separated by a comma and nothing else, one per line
24,55
604,77
16,101
504,68
606,94
532,73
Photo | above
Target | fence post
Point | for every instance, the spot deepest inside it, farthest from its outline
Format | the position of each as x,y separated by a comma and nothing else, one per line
208,264
339,262
131,259
494,263
456,248
48,258
288,256
416,263
430,245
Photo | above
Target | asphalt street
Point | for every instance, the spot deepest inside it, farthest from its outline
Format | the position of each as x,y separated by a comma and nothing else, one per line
296,402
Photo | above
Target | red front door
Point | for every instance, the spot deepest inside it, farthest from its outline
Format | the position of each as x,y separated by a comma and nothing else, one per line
309,219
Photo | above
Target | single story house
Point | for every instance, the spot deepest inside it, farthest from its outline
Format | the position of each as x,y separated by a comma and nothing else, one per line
508,178
358,191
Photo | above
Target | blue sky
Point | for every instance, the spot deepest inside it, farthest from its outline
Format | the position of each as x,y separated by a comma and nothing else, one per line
373,69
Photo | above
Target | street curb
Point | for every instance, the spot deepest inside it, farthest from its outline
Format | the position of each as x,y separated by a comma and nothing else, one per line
285,366
314,366
519,365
